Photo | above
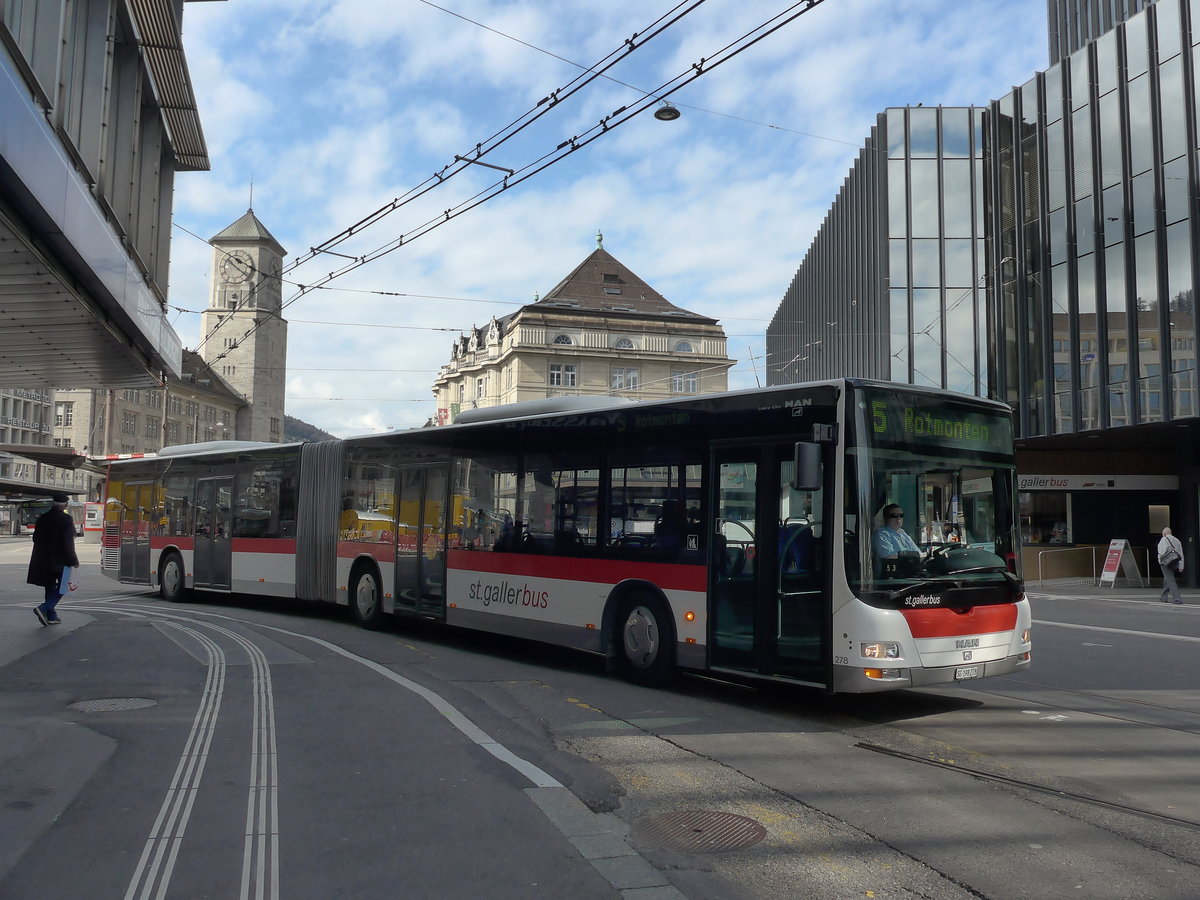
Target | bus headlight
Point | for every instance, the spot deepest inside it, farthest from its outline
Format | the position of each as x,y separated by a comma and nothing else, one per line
1025,636
881,650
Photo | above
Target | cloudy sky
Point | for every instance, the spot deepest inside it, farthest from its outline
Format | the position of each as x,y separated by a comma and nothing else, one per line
334,109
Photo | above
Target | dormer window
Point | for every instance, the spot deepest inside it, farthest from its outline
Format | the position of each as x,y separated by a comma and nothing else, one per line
612,279
623,344
684,347
612,290
563,339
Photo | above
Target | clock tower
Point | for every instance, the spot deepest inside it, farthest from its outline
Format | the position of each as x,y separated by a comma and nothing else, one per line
245,335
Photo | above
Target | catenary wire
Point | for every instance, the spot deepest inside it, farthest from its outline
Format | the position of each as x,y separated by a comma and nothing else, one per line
564,149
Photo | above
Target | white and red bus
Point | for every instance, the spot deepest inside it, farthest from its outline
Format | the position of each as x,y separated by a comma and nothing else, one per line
722,532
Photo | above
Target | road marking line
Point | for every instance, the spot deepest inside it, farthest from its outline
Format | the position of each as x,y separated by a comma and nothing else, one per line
167,832
1153,634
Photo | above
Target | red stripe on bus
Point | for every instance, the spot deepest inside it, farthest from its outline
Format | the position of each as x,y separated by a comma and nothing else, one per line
942,622
381,551
159,542
264,545
240,545
670,576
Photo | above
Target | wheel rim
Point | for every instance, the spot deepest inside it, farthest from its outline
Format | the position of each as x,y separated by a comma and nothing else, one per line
366,597
641,637
171,577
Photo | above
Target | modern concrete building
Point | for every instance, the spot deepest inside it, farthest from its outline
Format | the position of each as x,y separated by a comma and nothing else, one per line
97,116
600,331
1073,293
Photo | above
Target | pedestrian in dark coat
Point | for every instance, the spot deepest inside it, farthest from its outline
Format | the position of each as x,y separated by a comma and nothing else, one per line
53,550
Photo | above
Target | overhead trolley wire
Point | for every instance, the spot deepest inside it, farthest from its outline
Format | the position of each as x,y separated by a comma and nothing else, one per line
564,149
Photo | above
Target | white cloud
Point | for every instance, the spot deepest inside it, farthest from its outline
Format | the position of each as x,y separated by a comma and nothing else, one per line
336,107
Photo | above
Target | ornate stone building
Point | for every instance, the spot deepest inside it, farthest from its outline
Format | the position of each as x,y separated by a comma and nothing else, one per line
245,335
600,331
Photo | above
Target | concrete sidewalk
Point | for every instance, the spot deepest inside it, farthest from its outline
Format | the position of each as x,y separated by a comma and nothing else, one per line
1083,590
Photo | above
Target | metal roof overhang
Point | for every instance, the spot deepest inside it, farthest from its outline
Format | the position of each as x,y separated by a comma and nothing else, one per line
75,309
22,490
59,457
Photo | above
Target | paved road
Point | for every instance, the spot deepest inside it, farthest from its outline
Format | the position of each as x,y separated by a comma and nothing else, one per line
264,749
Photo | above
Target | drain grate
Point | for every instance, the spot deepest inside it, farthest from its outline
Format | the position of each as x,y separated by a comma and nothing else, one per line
112,704
698,831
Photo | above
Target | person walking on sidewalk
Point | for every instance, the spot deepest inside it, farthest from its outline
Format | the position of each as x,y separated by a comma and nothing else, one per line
1170,557
53,550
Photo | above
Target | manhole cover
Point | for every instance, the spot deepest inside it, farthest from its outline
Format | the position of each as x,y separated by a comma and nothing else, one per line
112,704
698,831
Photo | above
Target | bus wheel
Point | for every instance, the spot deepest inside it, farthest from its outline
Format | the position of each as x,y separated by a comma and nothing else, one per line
171,583
366,598
645,642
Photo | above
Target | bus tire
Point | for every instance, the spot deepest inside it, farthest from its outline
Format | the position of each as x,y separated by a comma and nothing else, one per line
366,597
172,583
645,640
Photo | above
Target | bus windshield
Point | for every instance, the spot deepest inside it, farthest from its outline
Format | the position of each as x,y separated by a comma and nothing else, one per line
930,497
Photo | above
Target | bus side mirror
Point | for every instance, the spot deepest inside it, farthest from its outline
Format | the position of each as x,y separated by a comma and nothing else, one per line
806,467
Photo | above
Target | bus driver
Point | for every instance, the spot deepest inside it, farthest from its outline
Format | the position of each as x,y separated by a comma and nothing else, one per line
891,542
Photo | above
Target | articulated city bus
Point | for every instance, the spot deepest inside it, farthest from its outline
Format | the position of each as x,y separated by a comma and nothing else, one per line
729,533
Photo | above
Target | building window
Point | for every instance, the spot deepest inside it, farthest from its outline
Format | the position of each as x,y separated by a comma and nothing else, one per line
623,344
462,393
563,339
275,430
684,347
210,414
64,414
562,375
481,387
612,290
684,382
129,423
624,379
151,427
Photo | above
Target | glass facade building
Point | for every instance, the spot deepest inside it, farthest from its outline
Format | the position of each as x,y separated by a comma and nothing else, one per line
1089,202
1075,22
1042,251
893,285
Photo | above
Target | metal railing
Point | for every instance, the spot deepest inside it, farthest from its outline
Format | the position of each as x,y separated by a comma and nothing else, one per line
1064,566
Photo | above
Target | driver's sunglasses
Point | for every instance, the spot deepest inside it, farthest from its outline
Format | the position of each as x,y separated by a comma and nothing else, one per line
896,516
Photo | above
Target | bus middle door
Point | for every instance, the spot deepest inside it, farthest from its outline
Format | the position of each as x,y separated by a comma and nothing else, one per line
421,539
212,561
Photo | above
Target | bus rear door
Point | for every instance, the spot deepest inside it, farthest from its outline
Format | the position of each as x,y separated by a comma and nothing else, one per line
134,561
769,596
212,562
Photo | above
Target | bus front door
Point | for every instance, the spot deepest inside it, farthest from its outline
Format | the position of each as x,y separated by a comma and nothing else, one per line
421,540
134,561
212,561
766,568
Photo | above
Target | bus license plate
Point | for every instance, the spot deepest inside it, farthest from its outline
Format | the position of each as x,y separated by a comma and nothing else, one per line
966,672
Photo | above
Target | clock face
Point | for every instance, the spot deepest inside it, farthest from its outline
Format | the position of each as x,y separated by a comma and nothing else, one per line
236,267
